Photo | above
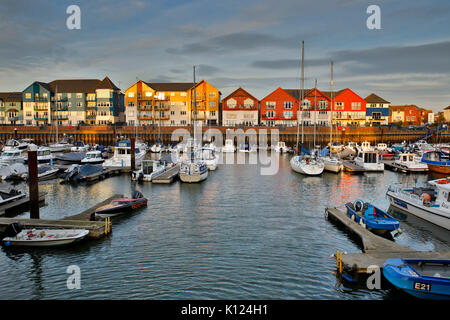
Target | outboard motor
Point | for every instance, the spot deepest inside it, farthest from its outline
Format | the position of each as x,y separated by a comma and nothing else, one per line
11,230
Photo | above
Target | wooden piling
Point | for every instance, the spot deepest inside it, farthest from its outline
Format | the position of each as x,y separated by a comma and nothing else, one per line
33,184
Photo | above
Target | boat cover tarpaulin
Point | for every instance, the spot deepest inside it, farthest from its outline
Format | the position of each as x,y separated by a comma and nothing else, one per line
324,152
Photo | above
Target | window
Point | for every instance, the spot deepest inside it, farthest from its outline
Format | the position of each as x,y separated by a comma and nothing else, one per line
249,103
356,105
212,104
212,113
287,114
27,95
172,122
287,104
183,113
172,113
270,104
148,94
212,94
231,103
79,95
29,114
339,105
183,94
270,114
183,121
69,95
306,104
323,104
130,94
413,119
376,116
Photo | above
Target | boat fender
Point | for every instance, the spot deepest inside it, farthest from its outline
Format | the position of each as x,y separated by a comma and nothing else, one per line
353,217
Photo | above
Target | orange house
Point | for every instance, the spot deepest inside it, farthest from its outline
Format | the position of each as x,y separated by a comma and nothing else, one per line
279,108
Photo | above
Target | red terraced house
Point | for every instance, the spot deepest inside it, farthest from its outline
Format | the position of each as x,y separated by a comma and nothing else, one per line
318,112
348,108
240,107
279,108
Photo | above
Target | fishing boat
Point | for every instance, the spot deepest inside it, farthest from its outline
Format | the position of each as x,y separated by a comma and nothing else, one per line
122,205
409,163
79,146
122,156
436,162
421,278
93,157
386,152
150,169
45,237
429,203
9,194
12,156
229,146
371,217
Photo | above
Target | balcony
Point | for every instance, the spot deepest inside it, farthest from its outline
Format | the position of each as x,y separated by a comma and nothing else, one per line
60,118
41,117
41,99
91,116
13,118
61,108
40,108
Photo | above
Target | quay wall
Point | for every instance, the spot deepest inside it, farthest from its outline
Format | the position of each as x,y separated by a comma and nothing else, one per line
108,135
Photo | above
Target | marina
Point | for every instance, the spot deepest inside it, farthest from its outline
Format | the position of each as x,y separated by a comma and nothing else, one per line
209,226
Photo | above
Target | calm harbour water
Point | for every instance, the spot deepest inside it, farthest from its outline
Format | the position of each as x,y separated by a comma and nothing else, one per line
237,235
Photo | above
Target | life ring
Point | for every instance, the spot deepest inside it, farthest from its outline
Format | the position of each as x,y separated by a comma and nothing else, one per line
443,181
358,205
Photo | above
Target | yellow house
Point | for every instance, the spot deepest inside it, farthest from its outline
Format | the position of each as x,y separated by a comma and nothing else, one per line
173,102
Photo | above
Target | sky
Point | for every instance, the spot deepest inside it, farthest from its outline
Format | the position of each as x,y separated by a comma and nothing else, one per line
254,44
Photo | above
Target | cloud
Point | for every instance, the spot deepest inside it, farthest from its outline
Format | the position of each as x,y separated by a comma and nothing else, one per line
242,41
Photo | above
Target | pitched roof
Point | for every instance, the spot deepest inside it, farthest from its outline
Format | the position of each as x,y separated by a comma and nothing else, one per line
106,84
11,96
170,86
448,108
239,89
373,98
333,93
75,85
296,93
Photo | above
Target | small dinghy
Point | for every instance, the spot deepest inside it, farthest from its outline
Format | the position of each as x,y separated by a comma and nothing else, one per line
371,217
121,206
45,237
421,278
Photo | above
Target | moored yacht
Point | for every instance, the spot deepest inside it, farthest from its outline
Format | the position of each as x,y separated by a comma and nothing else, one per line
281,147
229,146
150,169
12,156
408,162
93,157
369,160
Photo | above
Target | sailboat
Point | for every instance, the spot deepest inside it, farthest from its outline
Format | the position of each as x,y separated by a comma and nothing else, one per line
63,145
306,163
194,169
331,163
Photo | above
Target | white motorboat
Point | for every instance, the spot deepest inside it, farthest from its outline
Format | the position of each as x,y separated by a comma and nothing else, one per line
46,237
428,203
308,165
281,147
9,194
122,156
157,148
193,171
409,162
93,157
13,171
150,169
62,146
44,155
79,146
16,144
229,146
210,158
12,156
332,164
365,146
247,147
369,160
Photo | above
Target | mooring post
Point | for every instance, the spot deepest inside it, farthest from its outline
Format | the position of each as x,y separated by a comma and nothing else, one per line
133,154
15,133
33,182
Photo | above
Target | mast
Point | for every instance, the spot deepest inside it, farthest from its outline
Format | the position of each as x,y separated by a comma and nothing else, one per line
331,109
303,84
56,108
315,97
195,113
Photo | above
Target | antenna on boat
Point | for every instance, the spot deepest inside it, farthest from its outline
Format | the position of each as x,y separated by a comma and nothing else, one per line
303,84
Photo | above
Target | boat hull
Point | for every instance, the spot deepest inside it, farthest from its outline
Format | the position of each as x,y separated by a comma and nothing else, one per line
120,209
429,214
404,277
45,242
309,170
193,177
439,169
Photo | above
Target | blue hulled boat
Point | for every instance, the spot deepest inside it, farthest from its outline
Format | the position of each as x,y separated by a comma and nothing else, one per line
422,278
372,217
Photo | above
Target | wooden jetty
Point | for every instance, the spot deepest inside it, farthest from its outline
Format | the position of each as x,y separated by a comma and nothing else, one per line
97,229
376,249
18,205
168,176
351,167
